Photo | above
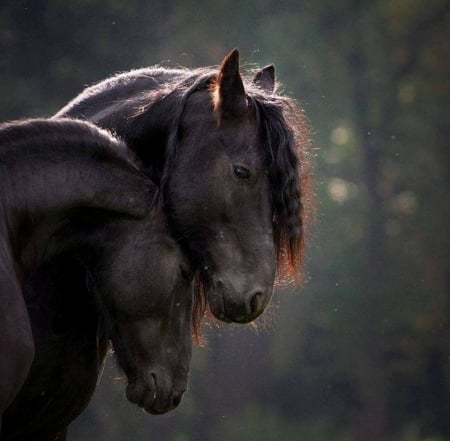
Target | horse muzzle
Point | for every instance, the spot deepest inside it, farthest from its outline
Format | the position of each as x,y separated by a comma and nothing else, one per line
230,305
155,396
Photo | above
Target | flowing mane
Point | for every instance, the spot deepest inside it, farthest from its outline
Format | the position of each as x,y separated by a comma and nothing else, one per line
284,130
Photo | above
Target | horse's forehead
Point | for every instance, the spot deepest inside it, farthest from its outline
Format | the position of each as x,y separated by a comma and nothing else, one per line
242,133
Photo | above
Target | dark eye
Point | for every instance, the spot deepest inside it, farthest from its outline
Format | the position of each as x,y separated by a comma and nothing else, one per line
241,172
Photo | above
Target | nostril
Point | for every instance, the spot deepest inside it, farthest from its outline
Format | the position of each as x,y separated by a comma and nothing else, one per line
256,302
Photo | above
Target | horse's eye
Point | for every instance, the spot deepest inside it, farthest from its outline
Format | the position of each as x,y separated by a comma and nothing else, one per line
241,172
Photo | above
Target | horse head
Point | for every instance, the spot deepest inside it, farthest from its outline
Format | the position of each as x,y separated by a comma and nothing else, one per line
232,193
145,292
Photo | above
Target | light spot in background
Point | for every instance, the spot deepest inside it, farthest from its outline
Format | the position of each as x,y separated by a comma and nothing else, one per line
405,203
340,145
341,190
340,136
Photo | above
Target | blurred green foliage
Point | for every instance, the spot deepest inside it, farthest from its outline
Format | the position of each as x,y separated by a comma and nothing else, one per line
361,350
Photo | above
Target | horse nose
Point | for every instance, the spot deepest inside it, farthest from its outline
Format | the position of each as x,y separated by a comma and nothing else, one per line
252,305
241,306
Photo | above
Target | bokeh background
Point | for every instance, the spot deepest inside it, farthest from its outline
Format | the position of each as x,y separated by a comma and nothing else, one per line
361,350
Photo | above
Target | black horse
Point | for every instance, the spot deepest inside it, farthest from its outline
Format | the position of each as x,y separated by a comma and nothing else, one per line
69,190
230,157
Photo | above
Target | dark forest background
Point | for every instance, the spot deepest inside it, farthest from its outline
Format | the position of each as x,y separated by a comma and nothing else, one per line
360,351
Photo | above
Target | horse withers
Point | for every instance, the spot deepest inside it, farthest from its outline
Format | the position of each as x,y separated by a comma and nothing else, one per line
230,155
71,190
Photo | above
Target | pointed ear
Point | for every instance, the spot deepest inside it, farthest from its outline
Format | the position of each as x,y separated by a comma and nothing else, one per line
230,99
265,78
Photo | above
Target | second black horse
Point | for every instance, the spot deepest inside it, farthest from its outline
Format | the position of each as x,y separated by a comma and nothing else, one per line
71,191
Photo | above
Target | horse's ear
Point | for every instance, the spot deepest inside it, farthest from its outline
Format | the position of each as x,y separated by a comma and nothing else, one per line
230,99
265,78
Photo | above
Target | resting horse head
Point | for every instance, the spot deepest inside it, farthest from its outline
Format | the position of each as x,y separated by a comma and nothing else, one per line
230,156
143,286
69,188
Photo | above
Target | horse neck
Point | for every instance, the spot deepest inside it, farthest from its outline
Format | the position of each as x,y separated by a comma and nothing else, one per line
42,186
36,186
